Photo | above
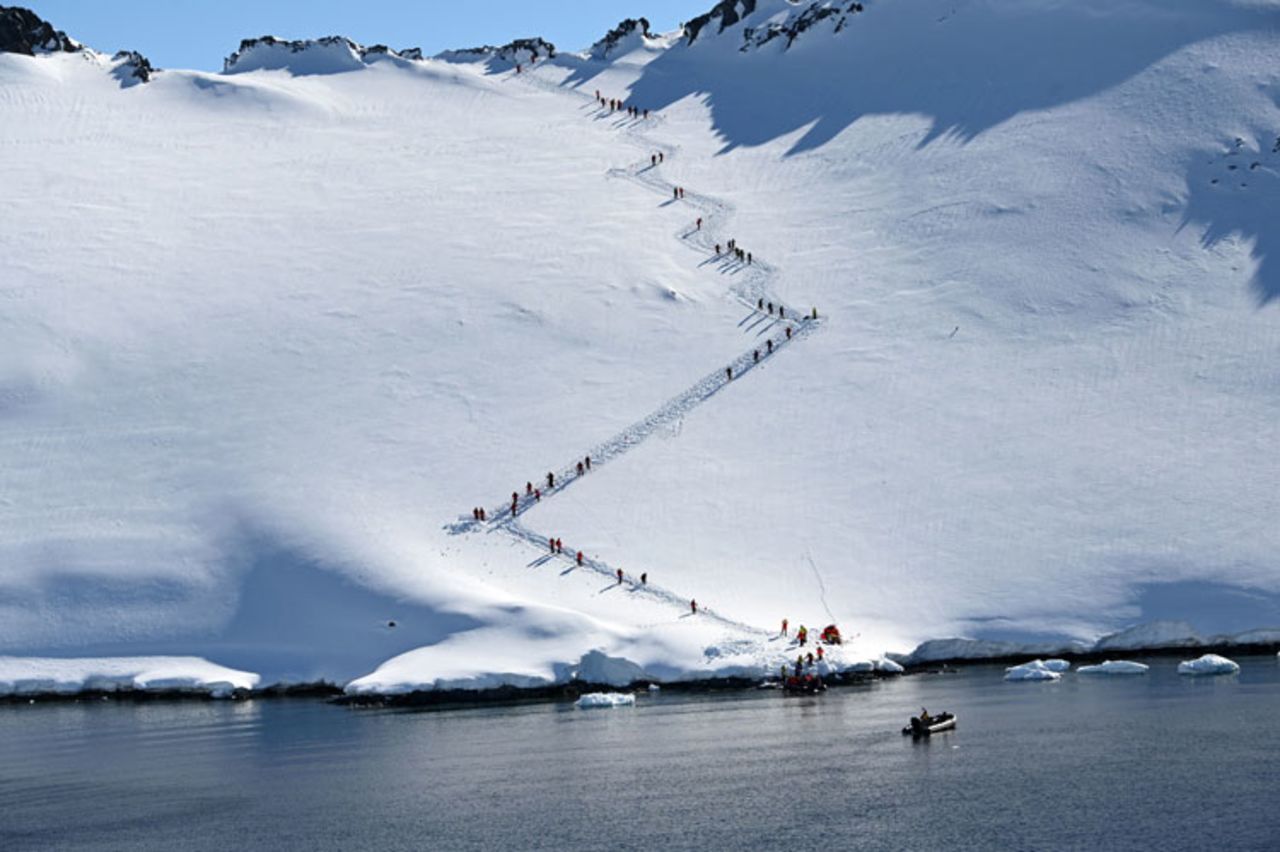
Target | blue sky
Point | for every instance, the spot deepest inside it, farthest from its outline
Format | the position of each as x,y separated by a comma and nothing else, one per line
199,33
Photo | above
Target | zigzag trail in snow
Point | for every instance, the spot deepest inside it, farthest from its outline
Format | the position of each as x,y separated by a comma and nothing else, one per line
750,283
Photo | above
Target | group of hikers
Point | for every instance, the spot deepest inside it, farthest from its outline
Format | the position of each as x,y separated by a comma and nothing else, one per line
804,675
732,248
616,104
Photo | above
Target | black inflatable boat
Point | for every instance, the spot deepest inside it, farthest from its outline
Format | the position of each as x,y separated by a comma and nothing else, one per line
936,724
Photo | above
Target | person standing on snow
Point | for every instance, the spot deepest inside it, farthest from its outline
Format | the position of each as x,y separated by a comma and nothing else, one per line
551,480
768,345
588,461
579,468
693,606
699,223
559,546
619,576
644,579
579,558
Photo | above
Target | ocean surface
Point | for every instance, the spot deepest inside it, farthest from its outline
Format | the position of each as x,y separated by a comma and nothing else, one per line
1148,762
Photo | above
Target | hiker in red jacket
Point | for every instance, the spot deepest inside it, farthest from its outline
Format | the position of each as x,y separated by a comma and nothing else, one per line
619,576
693,607
579,557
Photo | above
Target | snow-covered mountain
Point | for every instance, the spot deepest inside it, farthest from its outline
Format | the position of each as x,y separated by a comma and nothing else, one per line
270,334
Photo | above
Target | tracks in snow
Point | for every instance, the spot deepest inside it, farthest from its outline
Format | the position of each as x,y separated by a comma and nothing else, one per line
749,284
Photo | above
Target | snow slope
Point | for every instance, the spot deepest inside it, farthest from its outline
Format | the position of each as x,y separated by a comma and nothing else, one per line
269,335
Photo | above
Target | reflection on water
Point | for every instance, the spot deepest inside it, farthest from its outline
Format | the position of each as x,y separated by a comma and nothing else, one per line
1158,760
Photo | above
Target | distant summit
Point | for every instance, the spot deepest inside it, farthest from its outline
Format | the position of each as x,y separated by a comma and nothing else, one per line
329,55
630,33
23,31
521,51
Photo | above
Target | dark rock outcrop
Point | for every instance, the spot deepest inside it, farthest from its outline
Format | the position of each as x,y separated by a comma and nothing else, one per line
802,17
605,46
802,22
519,50
358,52
728,12
136,67
23,31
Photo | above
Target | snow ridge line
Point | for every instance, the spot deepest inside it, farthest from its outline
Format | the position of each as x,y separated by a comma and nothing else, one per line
750,288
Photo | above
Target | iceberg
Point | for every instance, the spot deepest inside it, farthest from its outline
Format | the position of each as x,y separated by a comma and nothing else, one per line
1034,670
605,699
1209,664
1115,667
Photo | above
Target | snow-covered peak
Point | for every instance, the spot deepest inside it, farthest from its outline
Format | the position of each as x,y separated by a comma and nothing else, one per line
329,55
771,20
521,51
23,31
626,36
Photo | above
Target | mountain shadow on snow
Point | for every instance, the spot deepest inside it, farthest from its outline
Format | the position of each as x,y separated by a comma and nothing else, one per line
952,65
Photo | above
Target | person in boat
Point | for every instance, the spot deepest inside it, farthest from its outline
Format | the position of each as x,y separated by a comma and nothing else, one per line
925,718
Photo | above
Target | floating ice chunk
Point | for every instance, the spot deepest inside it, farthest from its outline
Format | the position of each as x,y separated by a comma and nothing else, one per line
1209,664
1056,665
888,666
606,699
1115,667
1034,670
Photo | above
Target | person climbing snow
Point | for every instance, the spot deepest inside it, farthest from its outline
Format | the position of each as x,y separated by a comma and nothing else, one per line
771,309
755,356
579,558
528,488
551,543
788,332
619,576
699,223
653,160
579,468
760,304
551,480
728,373
693,607
781,313
537,495
482,513
588,462
559,546
820,652
644,578
748,258
717,249
646,113
675,192
662,158
768,345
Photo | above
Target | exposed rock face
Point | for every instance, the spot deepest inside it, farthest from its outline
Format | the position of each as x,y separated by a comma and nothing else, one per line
521,50
23,31
263,52
135,67
727,12
631,28
802,21
800,17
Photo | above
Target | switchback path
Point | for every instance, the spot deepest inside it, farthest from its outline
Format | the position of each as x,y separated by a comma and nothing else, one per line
750,283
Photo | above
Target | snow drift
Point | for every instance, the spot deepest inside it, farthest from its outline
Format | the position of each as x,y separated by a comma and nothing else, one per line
63,676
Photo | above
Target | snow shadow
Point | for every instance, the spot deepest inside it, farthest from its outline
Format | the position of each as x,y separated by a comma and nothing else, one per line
1211,607
956,67
1235,190
295,620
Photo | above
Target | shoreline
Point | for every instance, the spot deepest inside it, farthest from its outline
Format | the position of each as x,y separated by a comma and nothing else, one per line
443,699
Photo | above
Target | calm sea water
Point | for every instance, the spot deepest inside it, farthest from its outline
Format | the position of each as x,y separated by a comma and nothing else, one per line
1155,762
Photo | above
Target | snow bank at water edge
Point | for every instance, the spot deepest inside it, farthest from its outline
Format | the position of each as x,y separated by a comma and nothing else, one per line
1209,664
605,699
1034,670
1115,667
44,675
889,666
